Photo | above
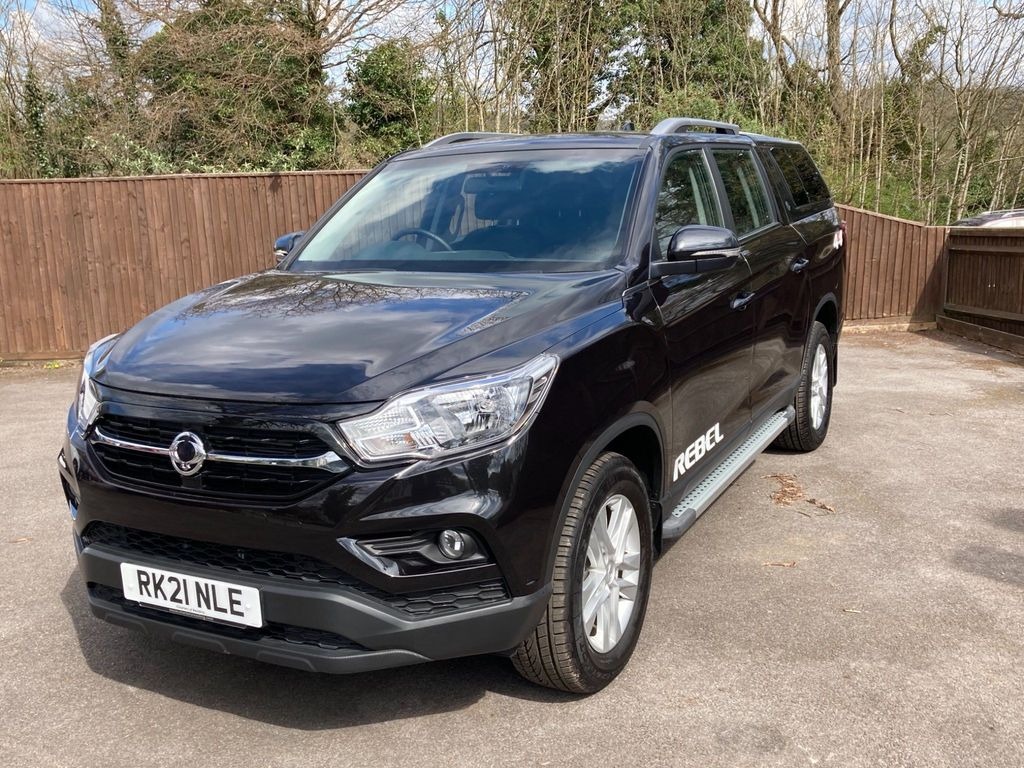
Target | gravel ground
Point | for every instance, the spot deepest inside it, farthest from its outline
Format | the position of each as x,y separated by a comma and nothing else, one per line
881,624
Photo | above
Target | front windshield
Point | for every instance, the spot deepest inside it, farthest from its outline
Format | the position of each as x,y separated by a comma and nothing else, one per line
527,211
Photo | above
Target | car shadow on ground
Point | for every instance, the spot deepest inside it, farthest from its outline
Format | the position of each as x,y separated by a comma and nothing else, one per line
286,697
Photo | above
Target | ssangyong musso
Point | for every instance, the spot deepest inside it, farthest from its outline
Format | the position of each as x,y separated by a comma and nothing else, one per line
468,408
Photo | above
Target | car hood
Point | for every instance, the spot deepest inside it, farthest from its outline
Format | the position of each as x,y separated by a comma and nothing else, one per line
301,338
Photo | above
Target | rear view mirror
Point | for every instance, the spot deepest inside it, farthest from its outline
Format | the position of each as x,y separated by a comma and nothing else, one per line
285,244
697,248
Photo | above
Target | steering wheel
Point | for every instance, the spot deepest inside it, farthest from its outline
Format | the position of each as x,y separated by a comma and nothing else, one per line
417,231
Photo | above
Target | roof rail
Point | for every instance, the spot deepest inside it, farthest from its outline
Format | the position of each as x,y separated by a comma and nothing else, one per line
457,138
672,125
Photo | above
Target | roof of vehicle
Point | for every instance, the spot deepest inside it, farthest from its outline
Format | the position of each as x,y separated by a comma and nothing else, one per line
473,143
1009,217
496,142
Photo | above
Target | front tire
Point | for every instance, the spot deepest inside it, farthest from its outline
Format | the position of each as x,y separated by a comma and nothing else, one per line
600,585
813,401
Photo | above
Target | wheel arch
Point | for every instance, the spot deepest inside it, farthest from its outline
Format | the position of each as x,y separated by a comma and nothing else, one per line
827,313
638,436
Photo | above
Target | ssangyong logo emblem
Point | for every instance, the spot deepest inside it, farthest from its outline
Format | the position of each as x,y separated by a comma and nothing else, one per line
187,454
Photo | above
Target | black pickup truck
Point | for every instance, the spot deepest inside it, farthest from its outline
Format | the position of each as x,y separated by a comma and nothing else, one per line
467,409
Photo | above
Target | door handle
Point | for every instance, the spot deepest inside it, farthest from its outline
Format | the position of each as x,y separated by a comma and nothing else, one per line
799,265
740,300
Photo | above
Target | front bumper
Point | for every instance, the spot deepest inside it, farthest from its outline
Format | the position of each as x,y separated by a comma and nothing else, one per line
316,628
330,604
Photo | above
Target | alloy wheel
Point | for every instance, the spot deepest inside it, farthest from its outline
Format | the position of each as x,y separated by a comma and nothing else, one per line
611,574
819,387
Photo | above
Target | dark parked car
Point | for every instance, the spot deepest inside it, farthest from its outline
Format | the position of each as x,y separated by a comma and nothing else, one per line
469,406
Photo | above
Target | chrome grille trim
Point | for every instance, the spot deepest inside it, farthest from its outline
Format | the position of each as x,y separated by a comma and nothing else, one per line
329,460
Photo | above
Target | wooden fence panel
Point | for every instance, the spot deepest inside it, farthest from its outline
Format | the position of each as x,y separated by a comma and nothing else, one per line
81,258
893,267
985,278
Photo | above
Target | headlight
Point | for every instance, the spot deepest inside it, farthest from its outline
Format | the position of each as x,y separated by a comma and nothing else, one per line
87,400
452,418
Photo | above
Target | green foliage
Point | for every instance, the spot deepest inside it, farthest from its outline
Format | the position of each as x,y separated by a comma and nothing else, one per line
688,57
11,155
233,84
116,41
569,57
36,101
905,124
389,97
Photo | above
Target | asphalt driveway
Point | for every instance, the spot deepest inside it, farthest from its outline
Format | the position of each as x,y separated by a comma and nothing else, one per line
861,605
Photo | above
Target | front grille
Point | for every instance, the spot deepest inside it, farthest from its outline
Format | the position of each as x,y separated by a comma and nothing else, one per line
240,481
292,444
255,482
284,565
282,633
255,562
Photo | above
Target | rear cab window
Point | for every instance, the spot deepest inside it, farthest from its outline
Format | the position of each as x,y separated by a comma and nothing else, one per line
807,190
745,191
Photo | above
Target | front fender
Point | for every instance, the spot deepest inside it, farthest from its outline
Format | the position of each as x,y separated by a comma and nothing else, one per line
593,402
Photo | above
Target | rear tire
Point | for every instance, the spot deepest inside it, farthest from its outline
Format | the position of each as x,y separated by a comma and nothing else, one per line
583,641
813,401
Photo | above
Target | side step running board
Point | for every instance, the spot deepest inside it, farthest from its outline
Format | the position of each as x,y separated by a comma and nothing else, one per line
696,502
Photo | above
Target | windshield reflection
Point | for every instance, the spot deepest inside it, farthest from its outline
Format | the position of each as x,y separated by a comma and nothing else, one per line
537,211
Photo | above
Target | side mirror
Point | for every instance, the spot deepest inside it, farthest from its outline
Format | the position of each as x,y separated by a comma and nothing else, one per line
286,243
697,248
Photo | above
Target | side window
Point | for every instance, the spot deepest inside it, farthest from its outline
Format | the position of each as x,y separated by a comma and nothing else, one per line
802,177
744,189
687,196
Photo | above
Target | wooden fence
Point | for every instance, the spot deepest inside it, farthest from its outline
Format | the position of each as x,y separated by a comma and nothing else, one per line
81,258
984,285
893,267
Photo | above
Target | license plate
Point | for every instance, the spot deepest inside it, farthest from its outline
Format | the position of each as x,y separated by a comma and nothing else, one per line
204,598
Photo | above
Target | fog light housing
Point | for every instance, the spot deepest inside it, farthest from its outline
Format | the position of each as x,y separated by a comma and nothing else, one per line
453,544
421,553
